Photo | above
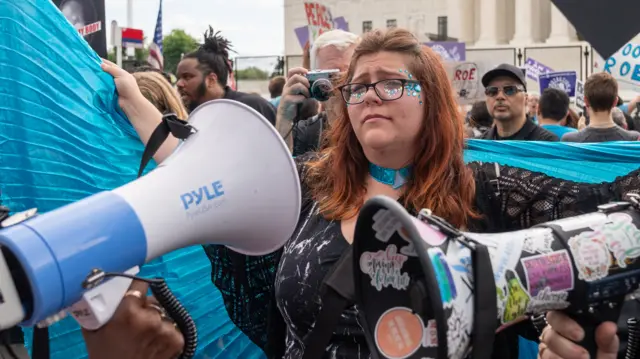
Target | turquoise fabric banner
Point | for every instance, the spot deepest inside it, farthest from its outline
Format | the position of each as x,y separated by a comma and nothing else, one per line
580,162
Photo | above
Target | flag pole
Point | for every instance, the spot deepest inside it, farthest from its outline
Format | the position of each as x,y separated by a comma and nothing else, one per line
131,52
129,13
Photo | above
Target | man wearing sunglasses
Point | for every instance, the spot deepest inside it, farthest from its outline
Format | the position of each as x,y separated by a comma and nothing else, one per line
506,91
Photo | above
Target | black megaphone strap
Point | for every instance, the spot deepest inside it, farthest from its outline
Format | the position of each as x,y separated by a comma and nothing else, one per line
485,306
170,124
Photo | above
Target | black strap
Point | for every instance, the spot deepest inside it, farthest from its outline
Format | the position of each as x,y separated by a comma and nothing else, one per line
485,304
40,343
170,124
338,294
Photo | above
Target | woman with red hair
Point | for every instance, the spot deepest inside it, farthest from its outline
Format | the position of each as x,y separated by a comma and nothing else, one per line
399,134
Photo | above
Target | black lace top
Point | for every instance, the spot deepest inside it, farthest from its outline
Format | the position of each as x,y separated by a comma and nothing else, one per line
509,198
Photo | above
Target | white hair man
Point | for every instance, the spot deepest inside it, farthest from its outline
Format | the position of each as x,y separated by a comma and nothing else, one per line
331,50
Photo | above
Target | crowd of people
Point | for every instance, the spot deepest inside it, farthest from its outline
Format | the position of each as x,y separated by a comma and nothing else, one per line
394,113
549,117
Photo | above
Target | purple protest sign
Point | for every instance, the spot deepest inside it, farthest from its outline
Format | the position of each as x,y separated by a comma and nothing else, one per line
534,69
449,51
303,35
565,81
341,23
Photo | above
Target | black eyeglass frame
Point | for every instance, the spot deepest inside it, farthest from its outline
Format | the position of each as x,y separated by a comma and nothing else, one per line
374,84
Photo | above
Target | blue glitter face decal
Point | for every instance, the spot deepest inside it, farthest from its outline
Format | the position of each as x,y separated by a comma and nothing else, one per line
412,89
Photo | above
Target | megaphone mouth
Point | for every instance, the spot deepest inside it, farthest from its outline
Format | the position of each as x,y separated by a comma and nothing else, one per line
392,276
238,137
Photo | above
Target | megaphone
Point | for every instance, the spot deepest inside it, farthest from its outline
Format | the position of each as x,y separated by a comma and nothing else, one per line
425,289
233,182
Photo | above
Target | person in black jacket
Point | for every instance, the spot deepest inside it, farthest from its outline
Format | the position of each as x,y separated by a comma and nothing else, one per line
506,91
203,74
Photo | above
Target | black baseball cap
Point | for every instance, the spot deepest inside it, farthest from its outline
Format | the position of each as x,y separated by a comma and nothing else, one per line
507,70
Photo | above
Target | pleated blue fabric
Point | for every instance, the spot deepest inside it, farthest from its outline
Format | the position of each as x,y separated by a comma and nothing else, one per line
580,162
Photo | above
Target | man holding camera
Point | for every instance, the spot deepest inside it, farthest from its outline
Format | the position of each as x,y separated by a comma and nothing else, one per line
330,51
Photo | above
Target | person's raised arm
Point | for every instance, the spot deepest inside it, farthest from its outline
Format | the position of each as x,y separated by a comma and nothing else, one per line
141,113
296,90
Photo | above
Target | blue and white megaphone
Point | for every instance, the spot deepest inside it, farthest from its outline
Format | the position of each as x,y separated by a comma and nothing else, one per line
233,183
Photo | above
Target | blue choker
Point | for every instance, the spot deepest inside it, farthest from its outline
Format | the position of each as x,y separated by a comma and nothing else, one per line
394,178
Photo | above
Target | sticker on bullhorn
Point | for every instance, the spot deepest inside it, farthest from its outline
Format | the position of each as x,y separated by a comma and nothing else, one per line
428,233
385,268
547,300
458,336
517,298
553,270
399,333
538,240
589,250
446,284
623,238
385,224
430,339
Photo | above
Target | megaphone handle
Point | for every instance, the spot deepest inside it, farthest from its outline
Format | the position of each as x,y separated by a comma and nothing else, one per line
589,321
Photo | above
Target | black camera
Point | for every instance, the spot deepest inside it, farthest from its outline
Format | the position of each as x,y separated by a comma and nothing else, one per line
320,83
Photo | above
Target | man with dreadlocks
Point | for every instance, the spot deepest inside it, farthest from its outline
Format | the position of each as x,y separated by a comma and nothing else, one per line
203,76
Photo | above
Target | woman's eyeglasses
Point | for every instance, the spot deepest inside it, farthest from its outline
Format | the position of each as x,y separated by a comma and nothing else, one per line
387,90
510,90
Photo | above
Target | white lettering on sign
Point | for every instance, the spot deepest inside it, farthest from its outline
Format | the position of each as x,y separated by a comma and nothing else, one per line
384,268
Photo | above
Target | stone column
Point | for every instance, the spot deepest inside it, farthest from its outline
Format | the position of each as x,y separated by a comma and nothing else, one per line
460,15
525,15
561,30
488,23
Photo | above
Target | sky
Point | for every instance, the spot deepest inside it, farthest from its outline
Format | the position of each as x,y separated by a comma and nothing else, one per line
254,27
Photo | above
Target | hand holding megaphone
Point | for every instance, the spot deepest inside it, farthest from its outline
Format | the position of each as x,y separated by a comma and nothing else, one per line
559,337
426,289
138,329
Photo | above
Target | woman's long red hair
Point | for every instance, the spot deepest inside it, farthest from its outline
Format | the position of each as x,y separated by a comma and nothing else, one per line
440,180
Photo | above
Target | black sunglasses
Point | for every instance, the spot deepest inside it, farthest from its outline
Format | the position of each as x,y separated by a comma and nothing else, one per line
509,90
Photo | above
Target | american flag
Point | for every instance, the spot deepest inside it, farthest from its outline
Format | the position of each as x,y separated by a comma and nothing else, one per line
155,50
